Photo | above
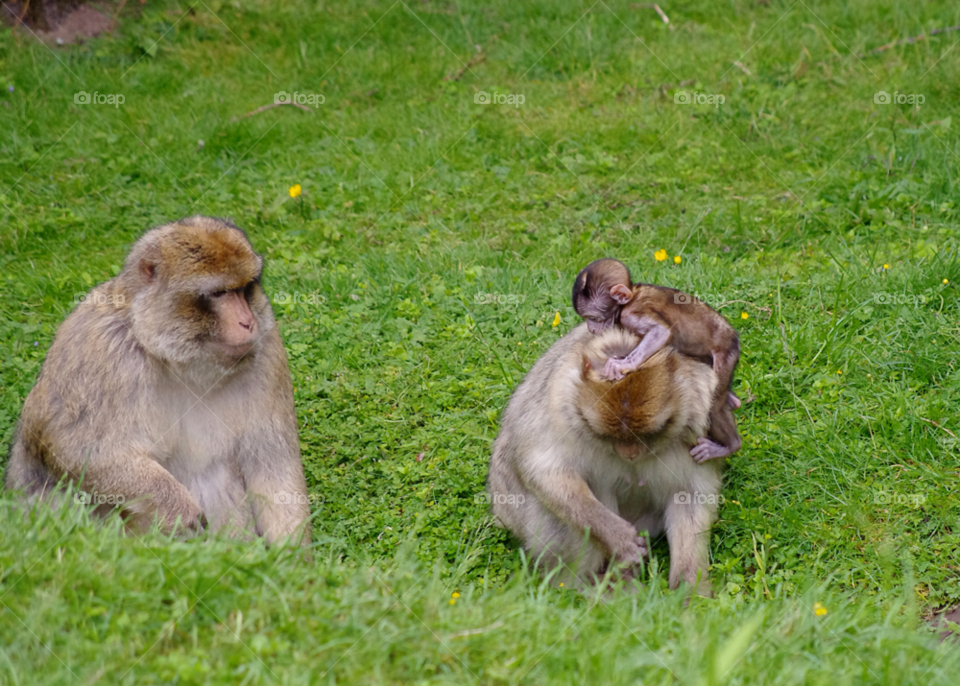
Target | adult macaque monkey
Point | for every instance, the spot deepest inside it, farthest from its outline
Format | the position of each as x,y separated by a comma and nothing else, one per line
167,392
590,462
604,295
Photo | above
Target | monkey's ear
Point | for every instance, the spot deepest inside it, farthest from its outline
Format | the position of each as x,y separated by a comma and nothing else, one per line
621,294
585,366
147,268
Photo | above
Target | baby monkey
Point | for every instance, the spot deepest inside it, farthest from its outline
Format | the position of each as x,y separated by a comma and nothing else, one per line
604,295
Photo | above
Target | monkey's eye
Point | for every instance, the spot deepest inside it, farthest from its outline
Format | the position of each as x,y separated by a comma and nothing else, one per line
219,294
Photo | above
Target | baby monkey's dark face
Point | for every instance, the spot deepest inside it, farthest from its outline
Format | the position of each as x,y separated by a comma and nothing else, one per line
591,293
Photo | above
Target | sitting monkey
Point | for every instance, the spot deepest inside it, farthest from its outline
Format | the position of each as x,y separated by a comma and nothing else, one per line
166,392
580,453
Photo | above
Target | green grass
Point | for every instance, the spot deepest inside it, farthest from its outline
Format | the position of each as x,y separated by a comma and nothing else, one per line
784,202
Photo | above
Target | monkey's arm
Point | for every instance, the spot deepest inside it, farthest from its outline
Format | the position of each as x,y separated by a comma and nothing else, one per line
278,495
655,336
568,496
273,474
145,489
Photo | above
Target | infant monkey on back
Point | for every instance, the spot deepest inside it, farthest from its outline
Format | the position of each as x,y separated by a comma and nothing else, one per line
604,295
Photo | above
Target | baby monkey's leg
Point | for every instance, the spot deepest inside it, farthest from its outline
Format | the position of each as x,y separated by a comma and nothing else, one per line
655,336
722,439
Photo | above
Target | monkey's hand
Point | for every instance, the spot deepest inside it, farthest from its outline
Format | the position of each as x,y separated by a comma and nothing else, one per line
705,449
630,548
615,367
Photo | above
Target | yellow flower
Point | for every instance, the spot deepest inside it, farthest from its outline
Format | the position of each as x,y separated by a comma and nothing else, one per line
295,190
819,610
839,371
886,267
453,601
660,255
454,595
946,281
556,320
744,315
677,259
561,584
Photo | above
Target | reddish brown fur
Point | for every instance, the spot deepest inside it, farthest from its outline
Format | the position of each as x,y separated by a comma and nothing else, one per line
639,405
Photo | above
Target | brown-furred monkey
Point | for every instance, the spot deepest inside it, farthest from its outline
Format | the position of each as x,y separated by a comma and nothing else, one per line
582,464
167,393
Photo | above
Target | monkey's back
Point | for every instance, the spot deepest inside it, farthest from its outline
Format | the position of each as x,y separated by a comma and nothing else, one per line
697,329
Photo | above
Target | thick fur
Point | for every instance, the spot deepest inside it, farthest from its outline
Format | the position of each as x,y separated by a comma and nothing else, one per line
574,449
135,402
663,316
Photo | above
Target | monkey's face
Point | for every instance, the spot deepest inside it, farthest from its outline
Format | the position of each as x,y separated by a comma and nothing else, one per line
592,297
236,328
598,309
200,302
598,326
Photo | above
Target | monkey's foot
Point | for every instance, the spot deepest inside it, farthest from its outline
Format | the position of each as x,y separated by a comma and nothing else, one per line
733,400
705,449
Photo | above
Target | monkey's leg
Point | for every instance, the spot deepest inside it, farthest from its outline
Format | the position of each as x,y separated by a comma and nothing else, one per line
568,496
655,336
722,439
688,533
